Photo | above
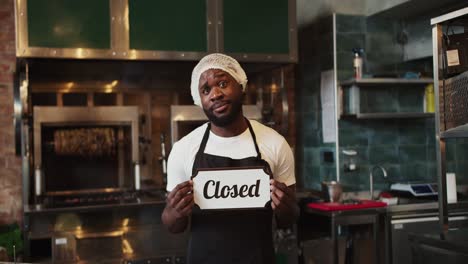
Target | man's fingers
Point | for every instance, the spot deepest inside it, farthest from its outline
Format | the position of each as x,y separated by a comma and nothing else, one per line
179,192
277,202
279,185
182,185
188,208
184,201
184,207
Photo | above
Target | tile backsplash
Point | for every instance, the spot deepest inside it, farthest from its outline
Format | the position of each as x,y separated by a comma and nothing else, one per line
404,147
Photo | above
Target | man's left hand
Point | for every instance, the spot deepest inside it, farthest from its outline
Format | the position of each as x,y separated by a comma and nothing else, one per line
283,202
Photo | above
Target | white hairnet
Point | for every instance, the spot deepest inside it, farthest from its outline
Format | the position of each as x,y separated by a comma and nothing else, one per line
216,61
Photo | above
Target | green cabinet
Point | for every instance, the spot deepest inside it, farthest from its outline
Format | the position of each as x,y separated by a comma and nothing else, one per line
261,30
168,25
259,26
69,24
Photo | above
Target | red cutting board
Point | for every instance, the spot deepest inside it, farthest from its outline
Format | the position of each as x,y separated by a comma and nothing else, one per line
340,207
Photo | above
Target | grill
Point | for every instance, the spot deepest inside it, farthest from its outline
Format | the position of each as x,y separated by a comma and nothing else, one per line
85,155
454,102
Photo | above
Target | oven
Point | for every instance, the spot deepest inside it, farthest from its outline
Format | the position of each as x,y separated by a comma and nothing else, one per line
85,154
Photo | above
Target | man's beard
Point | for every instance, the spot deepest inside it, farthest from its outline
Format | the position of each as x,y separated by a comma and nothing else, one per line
236,110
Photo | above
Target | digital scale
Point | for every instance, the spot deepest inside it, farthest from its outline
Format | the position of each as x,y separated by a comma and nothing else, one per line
415,189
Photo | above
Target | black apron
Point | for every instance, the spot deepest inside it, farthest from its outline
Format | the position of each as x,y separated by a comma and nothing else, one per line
241,236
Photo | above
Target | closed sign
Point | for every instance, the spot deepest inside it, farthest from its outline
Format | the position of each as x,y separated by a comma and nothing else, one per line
229,189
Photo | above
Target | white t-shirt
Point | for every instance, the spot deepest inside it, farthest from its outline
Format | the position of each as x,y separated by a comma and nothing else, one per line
273,147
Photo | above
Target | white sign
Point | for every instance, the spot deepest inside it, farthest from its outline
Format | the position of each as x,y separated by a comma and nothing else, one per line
452,58
231,188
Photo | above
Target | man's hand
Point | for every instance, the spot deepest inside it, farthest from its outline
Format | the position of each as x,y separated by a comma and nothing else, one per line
283,202
179,205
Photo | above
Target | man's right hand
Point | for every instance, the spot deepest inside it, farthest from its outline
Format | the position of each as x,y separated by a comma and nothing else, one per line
179,205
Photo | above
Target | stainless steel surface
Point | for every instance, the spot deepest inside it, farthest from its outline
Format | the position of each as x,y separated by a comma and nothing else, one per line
292,18
351,107
391,115
137,176
38,181
332,191
371,178
193,113
21,23
87,191
440,144
219,27
211,25
104,234
373,81
336,100
424,219
22,124
284,104
449,16
117,233
119,26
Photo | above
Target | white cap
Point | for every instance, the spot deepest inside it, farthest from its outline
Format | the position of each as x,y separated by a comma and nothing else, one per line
216,61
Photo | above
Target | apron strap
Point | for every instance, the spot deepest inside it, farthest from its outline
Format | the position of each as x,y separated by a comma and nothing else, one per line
204,141
201,149
259,155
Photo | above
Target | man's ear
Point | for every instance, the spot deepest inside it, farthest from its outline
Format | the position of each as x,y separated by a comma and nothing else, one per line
244,94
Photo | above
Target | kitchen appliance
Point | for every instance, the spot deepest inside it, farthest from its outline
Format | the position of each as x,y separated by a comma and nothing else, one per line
414,189
85,154
332,191
185,118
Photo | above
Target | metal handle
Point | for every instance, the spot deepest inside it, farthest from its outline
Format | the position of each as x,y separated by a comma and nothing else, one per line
99,235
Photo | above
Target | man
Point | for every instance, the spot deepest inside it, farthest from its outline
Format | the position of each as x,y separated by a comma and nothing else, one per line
229,140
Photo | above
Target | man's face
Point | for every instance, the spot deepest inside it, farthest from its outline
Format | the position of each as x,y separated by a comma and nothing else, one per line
221,96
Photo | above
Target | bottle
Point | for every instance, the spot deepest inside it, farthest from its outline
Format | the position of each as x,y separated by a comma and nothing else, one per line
357,63
429,99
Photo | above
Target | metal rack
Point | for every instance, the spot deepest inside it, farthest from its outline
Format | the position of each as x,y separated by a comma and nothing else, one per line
350,108
451,99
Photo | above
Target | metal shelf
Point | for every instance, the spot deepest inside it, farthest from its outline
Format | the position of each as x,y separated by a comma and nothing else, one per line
460,131
389,115
386,81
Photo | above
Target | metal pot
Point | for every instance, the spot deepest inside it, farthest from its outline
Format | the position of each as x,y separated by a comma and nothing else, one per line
332,191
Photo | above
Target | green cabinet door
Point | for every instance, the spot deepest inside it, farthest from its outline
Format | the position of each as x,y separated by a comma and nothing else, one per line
69,24
176,25
259,26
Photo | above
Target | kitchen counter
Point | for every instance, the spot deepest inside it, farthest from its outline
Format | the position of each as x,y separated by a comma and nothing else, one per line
424,208
143,199
449,248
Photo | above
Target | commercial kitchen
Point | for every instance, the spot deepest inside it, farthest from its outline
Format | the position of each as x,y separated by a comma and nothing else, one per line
371,96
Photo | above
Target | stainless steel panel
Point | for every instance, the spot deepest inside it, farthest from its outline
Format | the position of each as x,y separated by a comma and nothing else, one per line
193,113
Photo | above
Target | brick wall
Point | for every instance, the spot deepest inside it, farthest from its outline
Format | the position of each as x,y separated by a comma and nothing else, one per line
10,164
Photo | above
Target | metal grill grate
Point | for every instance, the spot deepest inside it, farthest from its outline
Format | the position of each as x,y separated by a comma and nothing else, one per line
454,102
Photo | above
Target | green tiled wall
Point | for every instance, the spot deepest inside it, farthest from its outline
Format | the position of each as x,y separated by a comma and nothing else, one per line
316,55
404,147
400,146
